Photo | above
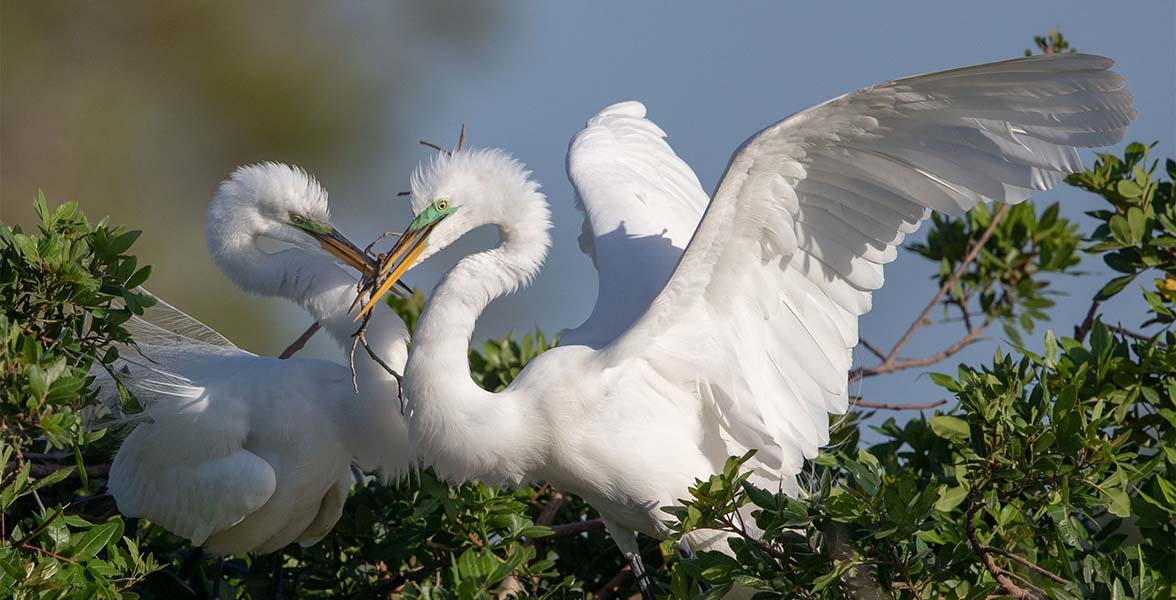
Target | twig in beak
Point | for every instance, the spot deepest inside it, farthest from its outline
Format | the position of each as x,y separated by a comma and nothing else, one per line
434,146
360,337
368,249
461,139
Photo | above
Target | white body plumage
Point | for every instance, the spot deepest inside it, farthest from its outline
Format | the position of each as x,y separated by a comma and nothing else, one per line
239,452
742,338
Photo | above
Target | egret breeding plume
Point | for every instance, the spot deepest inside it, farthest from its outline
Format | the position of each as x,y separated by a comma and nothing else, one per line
743,340
239,452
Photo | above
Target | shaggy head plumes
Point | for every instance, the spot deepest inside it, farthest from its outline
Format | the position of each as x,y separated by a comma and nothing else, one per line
265,200
481,187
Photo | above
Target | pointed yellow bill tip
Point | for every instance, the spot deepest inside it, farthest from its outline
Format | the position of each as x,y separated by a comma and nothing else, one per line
395,276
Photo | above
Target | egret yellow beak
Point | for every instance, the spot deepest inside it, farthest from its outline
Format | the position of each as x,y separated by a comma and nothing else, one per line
337,245
402,257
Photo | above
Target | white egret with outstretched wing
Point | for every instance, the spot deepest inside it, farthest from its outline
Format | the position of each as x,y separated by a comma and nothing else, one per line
748,343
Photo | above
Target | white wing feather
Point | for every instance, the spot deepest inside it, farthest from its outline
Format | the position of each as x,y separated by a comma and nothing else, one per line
211,464
188,469
164,324
756,327
641,204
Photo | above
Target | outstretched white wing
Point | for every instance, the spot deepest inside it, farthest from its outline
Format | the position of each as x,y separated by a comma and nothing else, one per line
755,329
641,204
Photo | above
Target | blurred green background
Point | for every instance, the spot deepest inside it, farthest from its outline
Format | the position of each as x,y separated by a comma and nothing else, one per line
139,112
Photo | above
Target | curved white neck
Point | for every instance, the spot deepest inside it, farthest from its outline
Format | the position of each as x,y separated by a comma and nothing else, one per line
467,432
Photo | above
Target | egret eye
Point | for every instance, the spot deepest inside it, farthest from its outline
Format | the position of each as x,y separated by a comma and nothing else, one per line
297,219
441,204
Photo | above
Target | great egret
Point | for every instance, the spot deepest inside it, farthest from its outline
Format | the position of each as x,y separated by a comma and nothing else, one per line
239,452
748,343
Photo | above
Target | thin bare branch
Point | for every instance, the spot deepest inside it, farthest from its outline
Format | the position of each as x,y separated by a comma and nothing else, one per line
434,146
613,585
547,515
947,285
368,249
1128,333
1080,331
298,344
912,363
573,529
461,138
873,349
1026,563
39,470
889,406
1009,586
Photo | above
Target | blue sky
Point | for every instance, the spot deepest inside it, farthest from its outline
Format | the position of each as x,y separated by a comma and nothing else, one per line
711,74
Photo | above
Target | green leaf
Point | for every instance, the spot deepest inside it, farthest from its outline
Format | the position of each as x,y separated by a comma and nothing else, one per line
1051,349
1128,189
1120,229
139,277
1118,503
944,381
759,496
1136,223
950,497
1113,287
950,428
52,478
95,539
123,242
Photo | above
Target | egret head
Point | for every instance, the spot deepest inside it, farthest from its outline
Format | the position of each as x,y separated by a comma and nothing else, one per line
453,194
276,202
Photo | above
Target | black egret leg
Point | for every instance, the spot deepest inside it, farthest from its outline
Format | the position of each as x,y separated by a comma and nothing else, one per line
277,581
642,577
626,540
218,572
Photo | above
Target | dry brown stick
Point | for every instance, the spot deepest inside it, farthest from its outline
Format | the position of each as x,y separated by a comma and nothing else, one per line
547,515
889,406
434,146
1007,584
947,285
46,552
571,529
911,363
1080,331
613,585
384,235
42,470
1127,332
297,344
1027,563
873,350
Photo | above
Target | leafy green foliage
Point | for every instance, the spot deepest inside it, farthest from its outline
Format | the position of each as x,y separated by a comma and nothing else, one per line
1003,284
65,291
1135,233
1052,476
